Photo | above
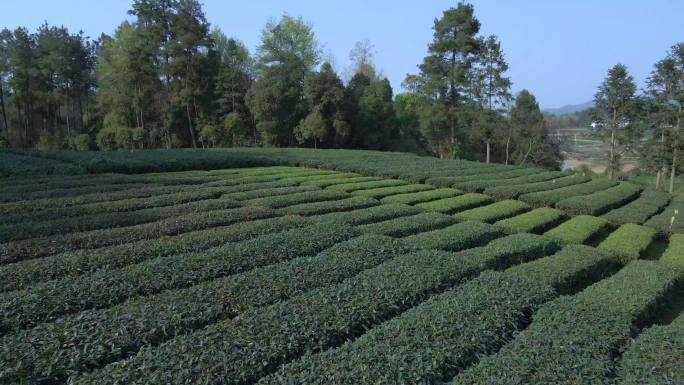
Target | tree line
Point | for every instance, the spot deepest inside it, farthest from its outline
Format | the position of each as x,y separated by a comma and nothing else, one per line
165,79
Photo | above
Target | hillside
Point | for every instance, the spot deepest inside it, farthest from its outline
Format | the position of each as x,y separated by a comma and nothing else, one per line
282,266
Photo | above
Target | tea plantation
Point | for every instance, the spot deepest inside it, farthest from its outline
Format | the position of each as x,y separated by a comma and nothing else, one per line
296,266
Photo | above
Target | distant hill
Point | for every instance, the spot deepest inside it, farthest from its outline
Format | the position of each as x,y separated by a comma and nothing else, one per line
570,108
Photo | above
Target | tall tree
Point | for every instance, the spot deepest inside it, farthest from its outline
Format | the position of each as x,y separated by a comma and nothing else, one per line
615,102
362,57
5,37
447,72
666,88
494,90
287,54
529,134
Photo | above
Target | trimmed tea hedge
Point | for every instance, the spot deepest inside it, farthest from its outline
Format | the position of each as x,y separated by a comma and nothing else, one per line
399,227
655,357
269,192
102,289
602,201
479,185
322,183
573,340
638,211
429,343
25,230
259,341
513,191
455,204
280,201
316,208
14,165
675,250
368,215
671,220
579,229
351,187
423,196
629,241
379,193
456,237
551,197
94,338
41,247
26,273
68,192
493,212
535,221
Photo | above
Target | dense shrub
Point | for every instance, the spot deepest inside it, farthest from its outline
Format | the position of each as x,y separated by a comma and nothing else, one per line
478,185
382,192
40,247
263,339
451,330
423,196
455,204
629,241
368,215
323,183
456,237
317,208
579,229
101,289
675,250
493,212
639,210
573,339
535,221
94,338
655,357
351,187
602,201
25,273
299,197
513,191
551,197
399,227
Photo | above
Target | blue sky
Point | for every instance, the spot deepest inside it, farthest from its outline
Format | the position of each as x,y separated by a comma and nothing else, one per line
559,50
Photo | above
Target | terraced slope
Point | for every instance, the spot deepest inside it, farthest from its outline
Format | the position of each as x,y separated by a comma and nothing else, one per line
301,275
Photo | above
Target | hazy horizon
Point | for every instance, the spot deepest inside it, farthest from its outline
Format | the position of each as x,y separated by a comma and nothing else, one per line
558,51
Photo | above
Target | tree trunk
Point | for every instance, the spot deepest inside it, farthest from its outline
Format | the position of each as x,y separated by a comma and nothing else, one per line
658,176
508,144
488,150
673,171
611,159
192,131
4,112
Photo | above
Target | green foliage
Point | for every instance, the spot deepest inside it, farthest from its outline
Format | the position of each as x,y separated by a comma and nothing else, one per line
157,318
82,142
455,204
638,211
473,184
407,225
513,191
535,221
601,201
367,185
77,262
551,197
422,196
579,229
675,250
382,192
368,215
456,237
318,208
629,241
573,339
655,356
283,331
493,212
103,289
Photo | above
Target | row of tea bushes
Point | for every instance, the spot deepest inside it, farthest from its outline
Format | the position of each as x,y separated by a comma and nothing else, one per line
669,220
421,197
403,226
573,339
47,300
551,197
23,274
513,191
451,330
602,201
381,192
456,237
15,165
579,229
629,241
324,207
493,212
456,204
480,185
535,221
41,247
368,215
280,201
259,341
639,210
355,186
675,250
93,339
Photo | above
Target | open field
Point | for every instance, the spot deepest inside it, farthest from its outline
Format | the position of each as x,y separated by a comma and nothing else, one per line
292,266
